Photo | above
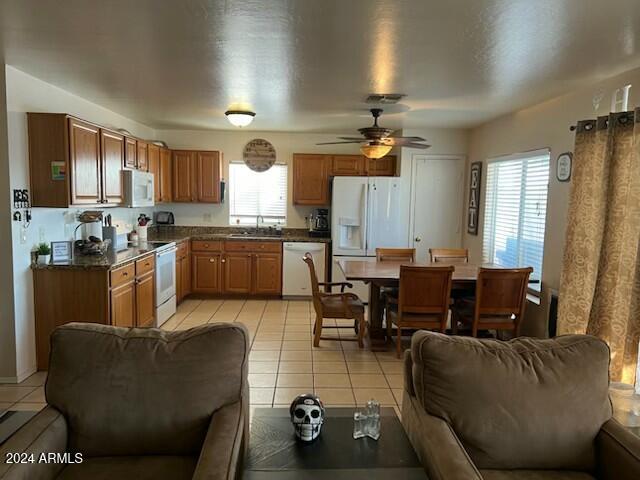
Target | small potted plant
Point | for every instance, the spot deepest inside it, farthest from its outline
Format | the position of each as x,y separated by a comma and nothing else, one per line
44,254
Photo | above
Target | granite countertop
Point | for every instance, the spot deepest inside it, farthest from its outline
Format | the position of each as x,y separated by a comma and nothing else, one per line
107,261
179,234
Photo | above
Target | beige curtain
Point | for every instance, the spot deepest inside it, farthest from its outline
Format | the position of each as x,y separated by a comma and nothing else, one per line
600,281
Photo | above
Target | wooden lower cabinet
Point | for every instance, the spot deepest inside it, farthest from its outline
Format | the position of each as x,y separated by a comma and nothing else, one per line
183,271
267,274
145,300
237,272
123,305
205,272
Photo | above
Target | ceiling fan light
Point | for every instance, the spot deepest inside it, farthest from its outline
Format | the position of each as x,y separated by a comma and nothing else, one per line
375,151
239,118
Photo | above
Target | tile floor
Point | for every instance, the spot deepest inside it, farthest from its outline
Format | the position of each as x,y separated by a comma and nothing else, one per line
282,362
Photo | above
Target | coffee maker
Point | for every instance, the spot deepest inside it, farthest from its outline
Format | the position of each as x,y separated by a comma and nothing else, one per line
319,223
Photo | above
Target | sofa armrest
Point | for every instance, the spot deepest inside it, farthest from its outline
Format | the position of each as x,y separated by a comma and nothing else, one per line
44,433
618,452
436,444
223,449
408,376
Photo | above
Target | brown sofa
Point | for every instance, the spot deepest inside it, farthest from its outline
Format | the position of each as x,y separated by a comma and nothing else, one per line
525,409
141,404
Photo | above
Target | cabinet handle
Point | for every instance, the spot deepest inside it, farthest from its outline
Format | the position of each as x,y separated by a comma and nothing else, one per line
212,260
223,260
206,245
125,274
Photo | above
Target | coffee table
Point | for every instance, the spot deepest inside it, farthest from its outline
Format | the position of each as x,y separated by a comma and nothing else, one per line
274,451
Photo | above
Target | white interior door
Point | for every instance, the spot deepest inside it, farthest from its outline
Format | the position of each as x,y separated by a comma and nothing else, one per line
436,206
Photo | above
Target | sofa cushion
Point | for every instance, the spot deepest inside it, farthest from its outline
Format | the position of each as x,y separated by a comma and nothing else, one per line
144,391
131,468
534,475
522,404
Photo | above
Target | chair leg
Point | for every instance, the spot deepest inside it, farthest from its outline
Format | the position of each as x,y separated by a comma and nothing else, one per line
454,322
474,331
317,331
399,343
360,321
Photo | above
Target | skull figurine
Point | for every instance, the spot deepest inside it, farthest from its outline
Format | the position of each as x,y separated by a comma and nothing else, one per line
307,416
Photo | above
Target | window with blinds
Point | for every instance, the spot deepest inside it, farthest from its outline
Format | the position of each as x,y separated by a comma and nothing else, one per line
257,193
516,210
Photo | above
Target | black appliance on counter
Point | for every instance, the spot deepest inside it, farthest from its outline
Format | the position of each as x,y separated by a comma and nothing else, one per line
319,223
165,218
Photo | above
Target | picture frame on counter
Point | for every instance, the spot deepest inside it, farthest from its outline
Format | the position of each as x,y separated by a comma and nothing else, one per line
61,252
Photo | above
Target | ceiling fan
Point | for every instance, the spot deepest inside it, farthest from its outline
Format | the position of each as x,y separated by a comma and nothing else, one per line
377,141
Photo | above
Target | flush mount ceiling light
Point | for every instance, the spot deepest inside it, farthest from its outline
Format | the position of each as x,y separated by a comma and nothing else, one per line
239,118
375,151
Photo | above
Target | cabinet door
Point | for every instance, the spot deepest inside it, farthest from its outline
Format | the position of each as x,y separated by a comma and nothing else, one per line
145,300
165,175
153,159
131,153
207,177
382,167
348,165
205,272
113,147
123,305
179,294
143,160
237,272
311,179
268,274
84,149
183,176
186,275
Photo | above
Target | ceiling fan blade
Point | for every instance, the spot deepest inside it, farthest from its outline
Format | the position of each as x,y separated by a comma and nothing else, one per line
417,145
360,139
413,139
336,143
397,141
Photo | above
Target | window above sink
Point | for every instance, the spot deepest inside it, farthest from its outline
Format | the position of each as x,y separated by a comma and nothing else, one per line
257,194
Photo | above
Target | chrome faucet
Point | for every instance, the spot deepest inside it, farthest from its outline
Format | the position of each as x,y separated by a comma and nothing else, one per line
258,218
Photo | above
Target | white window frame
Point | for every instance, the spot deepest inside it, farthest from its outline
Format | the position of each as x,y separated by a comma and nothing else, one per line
250,220
488,251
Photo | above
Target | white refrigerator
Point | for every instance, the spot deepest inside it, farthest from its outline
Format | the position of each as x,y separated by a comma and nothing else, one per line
367,213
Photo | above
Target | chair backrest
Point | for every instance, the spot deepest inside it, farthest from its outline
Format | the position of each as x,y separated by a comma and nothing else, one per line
449,255
315,288
396,255
144,391
501,291
424,290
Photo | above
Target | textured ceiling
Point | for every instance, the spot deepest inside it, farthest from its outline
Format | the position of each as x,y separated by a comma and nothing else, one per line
307,65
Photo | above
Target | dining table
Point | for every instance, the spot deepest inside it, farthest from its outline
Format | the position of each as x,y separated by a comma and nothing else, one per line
387,274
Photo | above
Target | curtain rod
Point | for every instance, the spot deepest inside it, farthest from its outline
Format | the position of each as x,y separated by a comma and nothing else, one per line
623,118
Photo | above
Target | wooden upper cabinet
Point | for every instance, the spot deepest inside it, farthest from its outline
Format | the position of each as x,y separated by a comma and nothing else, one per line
183,166
237,271
130,153
207,177
113,147
153,161
267,274
142,156
205,272
84,163
166,175
311,179
352,165
382,167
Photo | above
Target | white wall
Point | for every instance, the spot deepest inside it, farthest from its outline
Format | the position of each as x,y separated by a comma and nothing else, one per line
544,125
28,94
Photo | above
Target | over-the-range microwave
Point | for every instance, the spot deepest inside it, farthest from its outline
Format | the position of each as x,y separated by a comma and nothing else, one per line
138,188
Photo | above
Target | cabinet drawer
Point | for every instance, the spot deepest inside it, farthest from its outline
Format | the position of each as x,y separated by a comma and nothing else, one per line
206,246
145,265
122,275
241,246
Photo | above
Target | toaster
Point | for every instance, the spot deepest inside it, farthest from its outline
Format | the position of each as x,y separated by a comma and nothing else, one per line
164,218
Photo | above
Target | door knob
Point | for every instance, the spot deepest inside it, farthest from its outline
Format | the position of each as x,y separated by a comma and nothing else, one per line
418,239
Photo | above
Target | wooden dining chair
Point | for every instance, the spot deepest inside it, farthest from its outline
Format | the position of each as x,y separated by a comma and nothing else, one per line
334,305
423,300
449,255
499,302
396,255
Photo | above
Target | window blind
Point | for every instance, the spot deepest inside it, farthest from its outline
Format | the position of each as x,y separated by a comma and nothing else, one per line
257,193
516,210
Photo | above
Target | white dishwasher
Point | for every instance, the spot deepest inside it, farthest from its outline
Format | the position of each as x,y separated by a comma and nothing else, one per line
296,281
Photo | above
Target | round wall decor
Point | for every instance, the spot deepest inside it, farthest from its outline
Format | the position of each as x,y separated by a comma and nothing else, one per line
259,155
563,167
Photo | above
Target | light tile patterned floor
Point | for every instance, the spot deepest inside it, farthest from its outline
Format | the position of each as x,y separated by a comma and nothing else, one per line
283,362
